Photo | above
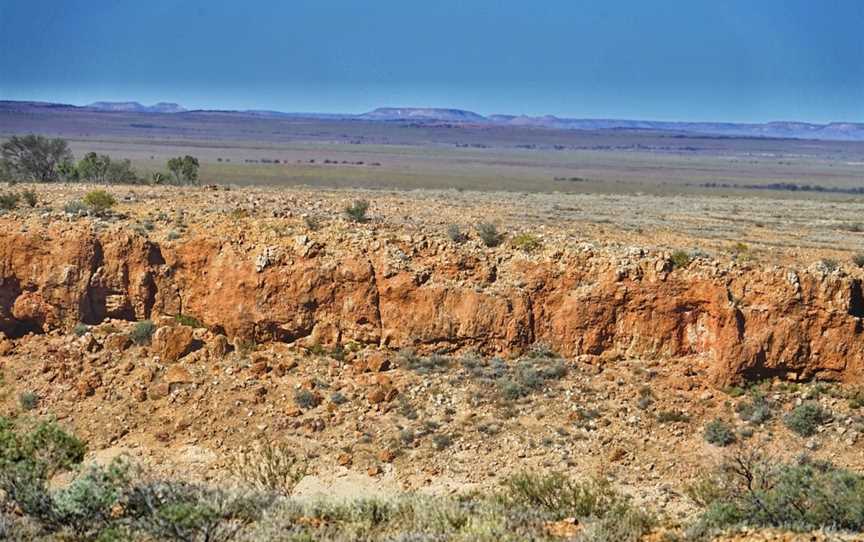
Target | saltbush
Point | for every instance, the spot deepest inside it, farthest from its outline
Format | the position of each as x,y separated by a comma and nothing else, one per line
719,433
489,234
806,418
142,332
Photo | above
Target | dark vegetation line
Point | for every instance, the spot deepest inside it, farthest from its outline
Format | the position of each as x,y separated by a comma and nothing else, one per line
785,187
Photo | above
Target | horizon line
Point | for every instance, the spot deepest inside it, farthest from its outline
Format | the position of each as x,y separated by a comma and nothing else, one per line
451,108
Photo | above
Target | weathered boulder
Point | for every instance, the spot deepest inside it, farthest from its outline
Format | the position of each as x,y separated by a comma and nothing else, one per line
173,342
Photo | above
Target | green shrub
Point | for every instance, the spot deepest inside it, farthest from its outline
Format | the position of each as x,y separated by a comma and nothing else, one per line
529,376
45,449
755,491
736,391
28,400
54,448
86,506
441,441
856,398
184,169
99,201
187,320
719,433
168,510
672,416
858,259
9,202
806,418
526,242
75,208
681,259
435,363
306,399
756,411
608,514
269,466
455,233
30,198
142,332
80,329
489,234
357,210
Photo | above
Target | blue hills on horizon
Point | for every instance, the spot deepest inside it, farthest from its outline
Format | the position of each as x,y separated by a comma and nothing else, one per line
842,131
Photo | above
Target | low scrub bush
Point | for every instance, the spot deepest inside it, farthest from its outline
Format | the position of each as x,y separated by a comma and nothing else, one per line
99,201
9,202
455,233
681,259
805,419
436,363
719,433
672,416
489,234
142,332
30,198
186,320
120,502
526,242
750,490
607,513
757,411
28,400
306,399
269,466
75,208
855,397
529,376
356,212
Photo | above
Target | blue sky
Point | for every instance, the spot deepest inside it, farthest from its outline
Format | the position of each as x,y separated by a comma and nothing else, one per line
736,60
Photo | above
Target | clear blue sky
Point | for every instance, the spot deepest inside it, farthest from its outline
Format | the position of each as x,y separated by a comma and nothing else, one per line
737,60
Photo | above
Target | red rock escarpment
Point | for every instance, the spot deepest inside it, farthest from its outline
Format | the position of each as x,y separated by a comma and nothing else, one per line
734,322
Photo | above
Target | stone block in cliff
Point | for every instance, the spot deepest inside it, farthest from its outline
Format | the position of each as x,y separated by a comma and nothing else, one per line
413,314
32,309
173,342
288,301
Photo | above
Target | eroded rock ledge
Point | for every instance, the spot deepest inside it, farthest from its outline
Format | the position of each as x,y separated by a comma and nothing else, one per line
735,322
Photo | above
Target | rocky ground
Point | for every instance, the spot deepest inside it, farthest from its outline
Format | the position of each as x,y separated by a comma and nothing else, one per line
396,359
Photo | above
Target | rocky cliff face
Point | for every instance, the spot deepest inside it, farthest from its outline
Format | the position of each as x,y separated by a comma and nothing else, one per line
734,322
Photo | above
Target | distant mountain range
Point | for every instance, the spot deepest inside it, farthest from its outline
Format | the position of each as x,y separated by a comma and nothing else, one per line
135,107
844,131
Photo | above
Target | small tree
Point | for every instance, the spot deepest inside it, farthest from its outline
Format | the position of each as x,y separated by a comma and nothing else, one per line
184,169
34,158
121,173
68,172
94,167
